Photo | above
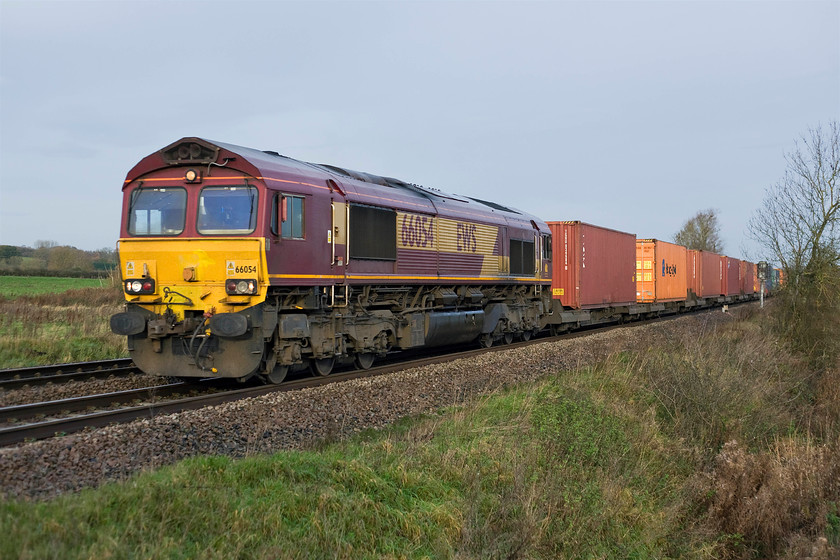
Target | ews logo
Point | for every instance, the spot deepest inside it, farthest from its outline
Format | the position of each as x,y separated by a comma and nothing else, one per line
467,242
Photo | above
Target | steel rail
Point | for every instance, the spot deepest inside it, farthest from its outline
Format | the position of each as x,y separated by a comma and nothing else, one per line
13,379
50,428
18,413
57,369
56,427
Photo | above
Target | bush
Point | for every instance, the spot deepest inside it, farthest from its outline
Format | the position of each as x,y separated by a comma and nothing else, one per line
784,498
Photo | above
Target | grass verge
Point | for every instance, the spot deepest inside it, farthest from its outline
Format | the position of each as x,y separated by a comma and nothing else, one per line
50,328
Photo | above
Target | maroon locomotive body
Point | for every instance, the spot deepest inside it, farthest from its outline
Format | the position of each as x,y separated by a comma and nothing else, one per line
239,262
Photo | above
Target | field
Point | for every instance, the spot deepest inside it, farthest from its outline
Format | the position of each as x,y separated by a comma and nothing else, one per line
57,320
15,286
723,445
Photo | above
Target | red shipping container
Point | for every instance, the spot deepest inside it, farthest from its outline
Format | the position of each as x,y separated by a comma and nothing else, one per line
730,276
747,278
709,277
592,266
660,271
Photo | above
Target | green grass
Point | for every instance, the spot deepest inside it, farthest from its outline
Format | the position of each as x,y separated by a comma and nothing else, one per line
523,472
16,286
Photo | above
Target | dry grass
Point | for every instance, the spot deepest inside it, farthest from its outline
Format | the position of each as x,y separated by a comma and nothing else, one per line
53,328
784,499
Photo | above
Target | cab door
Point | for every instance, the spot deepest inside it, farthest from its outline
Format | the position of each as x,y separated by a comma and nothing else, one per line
337,240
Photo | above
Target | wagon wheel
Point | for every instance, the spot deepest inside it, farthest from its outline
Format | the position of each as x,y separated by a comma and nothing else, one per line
486,340
363,360
322,367
277,375
526,335
507,338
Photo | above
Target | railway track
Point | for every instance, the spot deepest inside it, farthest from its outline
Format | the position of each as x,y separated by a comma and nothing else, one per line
30,422
61,373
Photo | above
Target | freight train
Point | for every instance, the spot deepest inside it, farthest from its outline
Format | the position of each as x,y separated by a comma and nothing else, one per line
239,262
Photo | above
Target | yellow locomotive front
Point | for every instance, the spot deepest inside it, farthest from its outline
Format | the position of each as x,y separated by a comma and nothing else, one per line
194,271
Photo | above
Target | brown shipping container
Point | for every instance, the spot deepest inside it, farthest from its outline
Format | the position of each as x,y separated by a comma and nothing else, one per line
747,278
660,271
730,276
592,266
709,285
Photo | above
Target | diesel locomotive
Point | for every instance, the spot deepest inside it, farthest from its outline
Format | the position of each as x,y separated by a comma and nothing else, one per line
239,262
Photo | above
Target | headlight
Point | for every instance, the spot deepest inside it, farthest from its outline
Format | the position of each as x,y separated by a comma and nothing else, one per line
145,286
241,287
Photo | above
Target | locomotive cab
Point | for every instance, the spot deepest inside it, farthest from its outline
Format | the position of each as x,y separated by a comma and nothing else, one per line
192,257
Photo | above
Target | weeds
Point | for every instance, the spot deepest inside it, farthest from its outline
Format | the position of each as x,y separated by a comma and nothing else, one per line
52,328
783,497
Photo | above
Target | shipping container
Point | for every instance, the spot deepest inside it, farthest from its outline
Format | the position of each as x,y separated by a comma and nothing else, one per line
747,278
703,273
730,276
592,266
660,271
709,274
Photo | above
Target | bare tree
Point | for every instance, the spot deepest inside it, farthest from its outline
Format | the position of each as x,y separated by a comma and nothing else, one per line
798,223
799,219
702,232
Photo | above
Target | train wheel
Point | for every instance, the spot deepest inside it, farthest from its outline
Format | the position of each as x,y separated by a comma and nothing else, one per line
277,375
486,340
526,335
322,367
364,361
507,338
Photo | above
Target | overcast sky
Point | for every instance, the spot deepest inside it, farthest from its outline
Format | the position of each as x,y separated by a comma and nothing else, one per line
631,115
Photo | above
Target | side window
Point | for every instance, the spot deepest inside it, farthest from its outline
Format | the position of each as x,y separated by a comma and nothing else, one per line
291,217
546,247
275,203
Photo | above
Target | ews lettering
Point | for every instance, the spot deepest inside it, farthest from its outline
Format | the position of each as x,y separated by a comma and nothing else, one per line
467,242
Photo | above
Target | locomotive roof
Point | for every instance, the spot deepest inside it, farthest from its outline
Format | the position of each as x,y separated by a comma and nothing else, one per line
267,163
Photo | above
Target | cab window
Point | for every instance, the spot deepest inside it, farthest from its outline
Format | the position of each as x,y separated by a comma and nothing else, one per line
227,210
157,211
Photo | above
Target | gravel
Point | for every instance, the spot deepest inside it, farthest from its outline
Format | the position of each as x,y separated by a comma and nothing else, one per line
70,389
295,420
